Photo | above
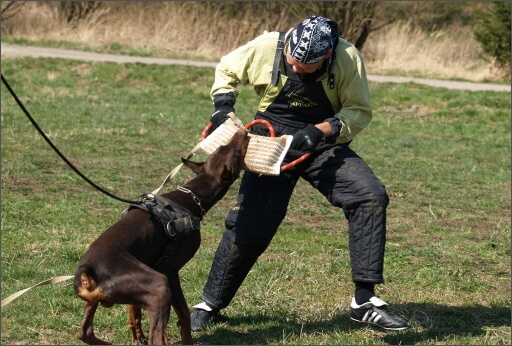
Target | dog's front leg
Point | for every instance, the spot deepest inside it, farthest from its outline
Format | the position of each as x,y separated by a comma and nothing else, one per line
135,325
158,308
158,326
184,324
180,306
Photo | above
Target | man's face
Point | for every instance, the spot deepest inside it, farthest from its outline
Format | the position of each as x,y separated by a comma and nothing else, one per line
299,67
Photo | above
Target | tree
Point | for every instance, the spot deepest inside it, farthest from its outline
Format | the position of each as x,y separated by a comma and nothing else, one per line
354,18
492,30
10,8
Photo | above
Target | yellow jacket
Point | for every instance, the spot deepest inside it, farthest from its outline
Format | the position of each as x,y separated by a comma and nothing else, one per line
251,64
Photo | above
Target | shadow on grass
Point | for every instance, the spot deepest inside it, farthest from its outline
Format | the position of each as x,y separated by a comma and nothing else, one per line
427,322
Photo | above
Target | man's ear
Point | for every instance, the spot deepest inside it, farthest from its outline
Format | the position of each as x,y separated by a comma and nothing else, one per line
328,54
196,167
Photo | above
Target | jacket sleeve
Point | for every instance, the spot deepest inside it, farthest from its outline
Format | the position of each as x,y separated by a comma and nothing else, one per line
353,91
248,64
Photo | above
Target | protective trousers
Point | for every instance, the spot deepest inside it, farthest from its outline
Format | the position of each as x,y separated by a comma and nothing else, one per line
342,177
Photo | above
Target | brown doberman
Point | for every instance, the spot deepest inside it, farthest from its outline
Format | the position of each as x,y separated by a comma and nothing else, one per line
136,261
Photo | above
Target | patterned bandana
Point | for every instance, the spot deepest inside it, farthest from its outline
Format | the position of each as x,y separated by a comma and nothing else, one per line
311,40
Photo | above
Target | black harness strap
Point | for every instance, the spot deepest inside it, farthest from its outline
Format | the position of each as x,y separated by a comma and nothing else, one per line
168,252
176,220
277,58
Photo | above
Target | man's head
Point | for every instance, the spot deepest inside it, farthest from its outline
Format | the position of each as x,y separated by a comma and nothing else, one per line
310,43
311,40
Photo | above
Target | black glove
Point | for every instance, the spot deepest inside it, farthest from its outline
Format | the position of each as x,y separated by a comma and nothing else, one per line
220,115
305,140
336,129
223,106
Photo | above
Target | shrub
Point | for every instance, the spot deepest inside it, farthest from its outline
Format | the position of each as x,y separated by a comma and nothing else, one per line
492,30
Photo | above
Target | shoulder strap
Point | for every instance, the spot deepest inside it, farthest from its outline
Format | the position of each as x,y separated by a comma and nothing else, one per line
277,57
336,39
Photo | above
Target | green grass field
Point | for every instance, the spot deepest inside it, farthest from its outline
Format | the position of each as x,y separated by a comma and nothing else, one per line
443,155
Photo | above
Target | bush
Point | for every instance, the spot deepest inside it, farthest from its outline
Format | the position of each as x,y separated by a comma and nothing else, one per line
492,30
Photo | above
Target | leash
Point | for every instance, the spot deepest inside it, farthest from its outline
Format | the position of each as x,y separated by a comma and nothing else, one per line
20,104
46,282
176,169
58,279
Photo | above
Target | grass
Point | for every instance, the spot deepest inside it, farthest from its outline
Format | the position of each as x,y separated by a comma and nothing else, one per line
443,155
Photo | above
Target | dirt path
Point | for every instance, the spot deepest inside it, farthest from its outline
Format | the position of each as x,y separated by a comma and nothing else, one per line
12,51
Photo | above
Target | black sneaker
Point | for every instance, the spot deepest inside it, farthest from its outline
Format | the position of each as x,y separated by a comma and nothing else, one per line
375,311
200,319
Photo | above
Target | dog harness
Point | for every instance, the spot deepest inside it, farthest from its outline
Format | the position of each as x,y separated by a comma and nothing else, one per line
176,220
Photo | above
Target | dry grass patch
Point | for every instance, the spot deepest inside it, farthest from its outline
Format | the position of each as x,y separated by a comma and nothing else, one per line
202,31
447,54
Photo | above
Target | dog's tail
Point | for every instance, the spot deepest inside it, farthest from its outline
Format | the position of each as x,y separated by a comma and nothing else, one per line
86,284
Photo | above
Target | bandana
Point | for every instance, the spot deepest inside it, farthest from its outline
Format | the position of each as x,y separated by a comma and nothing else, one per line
311,40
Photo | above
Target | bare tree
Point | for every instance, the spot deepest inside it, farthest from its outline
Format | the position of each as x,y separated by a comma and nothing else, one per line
10,8
354,18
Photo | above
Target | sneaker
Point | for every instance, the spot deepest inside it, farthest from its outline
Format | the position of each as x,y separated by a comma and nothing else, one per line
375,311
202,318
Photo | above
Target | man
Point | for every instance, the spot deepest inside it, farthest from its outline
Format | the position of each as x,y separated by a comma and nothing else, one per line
312,85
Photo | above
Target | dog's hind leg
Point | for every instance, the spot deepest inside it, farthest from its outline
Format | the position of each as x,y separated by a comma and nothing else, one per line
86,332
135,325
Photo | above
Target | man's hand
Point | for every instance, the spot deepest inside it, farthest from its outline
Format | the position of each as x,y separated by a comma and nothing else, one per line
223,104
220,115
305,140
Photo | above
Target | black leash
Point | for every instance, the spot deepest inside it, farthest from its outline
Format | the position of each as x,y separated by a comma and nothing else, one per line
57,150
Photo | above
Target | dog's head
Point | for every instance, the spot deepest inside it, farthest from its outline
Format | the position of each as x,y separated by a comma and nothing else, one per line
225,163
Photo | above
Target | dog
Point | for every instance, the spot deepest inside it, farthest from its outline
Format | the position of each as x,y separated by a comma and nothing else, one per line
136,260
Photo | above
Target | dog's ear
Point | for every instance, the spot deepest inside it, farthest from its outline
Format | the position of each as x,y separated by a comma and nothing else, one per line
196,167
